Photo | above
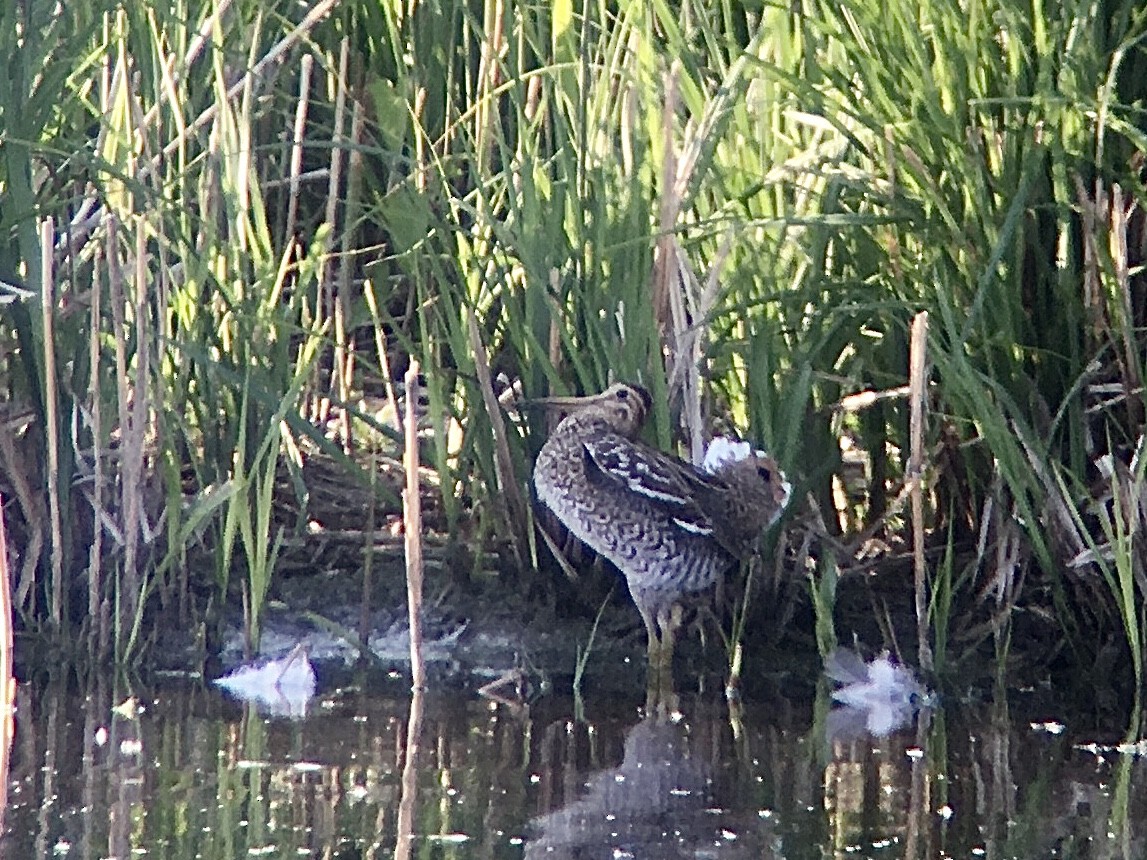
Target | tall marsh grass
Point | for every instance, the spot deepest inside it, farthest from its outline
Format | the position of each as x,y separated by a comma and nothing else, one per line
263,214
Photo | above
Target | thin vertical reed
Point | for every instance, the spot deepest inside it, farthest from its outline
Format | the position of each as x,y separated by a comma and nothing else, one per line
306,70
383,356
1132,367
51,418
503,464
7,682
665,259
421,165
15,467
408,794
97,607
554,340
412,519
123,403
918,385
368,563
134,434
344,349
489,77
325,286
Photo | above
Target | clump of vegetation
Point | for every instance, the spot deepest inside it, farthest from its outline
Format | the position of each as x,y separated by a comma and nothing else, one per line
236,221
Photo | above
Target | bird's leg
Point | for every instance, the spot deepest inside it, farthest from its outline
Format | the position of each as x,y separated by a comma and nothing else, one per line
661,697
652,639
669,622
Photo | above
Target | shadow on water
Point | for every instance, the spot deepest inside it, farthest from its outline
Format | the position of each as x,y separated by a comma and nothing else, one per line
181,772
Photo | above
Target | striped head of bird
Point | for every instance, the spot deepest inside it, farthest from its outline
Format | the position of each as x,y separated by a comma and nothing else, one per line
622,408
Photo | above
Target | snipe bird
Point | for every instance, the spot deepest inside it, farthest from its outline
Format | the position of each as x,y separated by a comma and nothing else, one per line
671,528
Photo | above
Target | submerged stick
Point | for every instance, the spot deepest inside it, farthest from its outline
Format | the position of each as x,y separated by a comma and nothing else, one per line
408,792
918,386
412,520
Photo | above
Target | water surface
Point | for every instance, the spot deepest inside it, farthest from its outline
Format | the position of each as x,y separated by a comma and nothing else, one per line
179,771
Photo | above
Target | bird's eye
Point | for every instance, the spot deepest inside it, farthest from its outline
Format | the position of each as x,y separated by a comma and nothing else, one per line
623,394
765,472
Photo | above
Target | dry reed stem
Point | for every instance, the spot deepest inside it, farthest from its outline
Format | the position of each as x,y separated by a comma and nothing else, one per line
663,267
412,520
421,165
344,349
1092,289
554,345
679,167
685,357
15,467
51,418
864,399
324,287
510,496
691,306
489,77
383,357
368,563
889,234
7,682
567,568
123,397
1131,376
669,278
99,630
133,414
987,513
298,135
141,405
917,381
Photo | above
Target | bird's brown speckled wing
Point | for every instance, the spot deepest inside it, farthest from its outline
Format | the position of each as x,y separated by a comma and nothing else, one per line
663,481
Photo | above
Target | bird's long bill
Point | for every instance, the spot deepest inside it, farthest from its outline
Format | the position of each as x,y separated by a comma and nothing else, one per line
568,402
573,404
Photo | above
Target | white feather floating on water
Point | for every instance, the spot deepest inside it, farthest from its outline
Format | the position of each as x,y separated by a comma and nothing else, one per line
880,695
280,687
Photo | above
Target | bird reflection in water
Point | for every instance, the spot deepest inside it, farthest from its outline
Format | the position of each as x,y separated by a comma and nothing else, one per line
658,803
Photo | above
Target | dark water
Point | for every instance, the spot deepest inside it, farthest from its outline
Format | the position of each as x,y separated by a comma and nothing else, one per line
189,774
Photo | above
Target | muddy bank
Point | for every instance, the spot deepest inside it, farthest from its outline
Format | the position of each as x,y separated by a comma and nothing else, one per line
478,630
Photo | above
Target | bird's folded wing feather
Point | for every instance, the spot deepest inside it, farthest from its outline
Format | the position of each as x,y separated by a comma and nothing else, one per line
661,480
